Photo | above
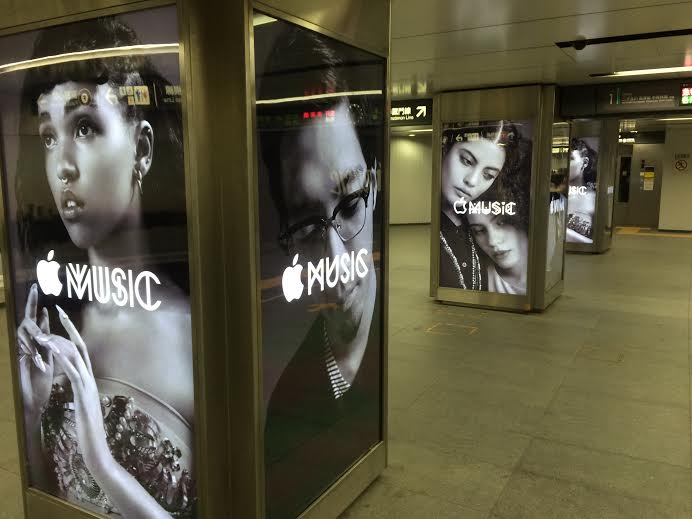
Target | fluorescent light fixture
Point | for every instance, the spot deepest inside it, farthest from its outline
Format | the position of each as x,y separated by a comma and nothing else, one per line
645,72
318,96
426,130
411,134
112,52
676,119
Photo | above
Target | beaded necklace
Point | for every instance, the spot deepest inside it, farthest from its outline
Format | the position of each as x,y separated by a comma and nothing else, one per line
476,274
337,380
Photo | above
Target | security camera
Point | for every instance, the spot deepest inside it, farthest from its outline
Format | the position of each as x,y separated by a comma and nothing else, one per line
579,43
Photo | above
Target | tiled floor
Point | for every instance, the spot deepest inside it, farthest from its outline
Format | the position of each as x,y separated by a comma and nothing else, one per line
580,412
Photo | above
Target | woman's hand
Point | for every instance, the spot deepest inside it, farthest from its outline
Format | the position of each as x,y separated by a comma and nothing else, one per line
72,356
124,491
35,369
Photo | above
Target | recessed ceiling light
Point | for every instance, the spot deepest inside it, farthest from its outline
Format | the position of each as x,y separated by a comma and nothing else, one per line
644,72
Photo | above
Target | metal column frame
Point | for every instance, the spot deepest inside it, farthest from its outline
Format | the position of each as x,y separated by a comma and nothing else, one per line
534,102
607,132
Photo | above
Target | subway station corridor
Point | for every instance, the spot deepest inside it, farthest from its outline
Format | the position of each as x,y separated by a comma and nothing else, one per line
580,412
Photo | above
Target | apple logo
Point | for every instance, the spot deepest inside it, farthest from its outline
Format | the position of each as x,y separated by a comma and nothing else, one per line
47,274
291,283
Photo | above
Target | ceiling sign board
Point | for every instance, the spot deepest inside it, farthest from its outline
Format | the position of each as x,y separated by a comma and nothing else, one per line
411,112
666,95
637,97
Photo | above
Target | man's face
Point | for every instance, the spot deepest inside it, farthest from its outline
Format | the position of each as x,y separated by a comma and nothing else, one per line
321,166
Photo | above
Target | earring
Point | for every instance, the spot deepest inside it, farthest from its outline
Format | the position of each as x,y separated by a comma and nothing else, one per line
138,178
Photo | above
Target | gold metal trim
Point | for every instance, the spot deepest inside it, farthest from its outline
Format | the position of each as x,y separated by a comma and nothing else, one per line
349,486
288,17
124,7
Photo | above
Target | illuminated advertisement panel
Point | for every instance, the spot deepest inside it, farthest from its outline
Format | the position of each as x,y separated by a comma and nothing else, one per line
94,194
485,202
321,142
581,205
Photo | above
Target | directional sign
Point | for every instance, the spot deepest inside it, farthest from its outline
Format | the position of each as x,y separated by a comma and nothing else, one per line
411,112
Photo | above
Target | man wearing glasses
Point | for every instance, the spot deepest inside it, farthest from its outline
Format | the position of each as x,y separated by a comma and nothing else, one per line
324,411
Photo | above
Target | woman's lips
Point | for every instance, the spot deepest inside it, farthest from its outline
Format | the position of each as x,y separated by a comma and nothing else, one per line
500,255
71,205
463,194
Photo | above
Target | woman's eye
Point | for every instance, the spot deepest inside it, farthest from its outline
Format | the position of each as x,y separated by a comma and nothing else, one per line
49,140
84,129
465,161
488,175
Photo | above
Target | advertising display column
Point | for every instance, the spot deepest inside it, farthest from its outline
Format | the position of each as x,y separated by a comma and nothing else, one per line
194,227
492,144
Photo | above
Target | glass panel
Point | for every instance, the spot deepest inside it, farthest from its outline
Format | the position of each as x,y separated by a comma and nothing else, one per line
559,177
94,186
485,201
320,139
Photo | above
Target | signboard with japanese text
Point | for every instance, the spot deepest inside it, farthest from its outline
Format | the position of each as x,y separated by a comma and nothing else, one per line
411,112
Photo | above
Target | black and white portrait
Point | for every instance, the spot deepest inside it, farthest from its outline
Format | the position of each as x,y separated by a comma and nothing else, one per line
95,207
320,108
485,196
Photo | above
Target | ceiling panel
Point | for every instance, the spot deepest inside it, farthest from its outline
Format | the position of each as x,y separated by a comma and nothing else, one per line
411,17
451,44
541,33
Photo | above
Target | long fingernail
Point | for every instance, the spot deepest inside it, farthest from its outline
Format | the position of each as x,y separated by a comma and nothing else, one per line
38,360
34,287
42,338
24,347
61,313
54,348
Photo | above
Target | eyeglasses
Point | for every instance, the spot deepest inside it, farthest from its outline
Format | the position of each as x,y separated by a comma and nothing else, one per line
348,219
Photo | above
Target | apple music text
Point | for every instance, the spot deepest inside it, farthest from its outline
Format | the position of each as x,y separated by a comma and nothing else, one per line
103,284
327,271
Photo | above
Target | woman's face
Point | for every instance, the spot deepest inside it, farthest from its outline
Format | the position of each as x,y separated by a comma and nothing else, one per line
469,169
504,244
90,153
